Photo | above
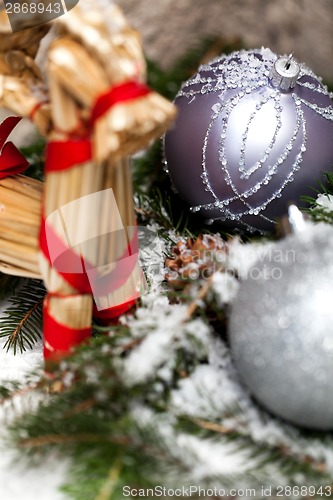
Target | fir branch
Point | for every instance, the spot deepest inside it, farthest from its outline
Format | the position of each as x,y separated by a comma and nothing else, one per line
8,394
111,482
21,321
163,206
95,424
282,451
59,439
152,208
314,209
212,426
147,168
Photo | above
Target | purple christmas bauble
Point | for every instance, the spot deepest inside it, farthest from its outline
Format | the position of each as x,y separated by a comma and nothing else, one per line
254,132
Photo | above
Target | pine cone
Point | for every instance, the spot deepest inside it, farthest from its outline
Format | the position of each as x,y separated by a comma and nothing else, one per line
194,259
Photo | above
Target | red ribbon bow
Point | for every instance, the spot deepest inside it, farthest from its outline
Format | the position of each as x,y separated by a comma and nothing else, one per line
12,162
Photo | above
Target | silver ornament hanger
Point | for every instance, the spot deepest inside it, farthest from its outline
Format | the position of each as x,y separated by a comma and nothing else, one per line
284,73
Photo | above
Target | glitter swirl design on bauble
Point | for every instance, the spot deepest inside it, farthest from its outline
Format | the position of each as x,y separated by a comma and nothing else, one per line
242,149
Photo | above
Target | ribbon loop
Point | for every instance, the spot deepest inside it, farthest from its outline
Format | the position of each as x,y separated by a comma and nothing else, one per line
12,162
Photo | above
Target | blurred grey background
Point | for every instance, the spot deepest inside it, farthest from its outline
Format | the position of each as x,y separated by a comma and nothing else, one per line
304,27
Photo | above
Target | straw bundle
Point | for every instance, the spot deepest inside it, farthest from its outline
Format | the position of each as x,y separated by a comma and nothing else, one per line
99,113
95,51
98,50
20,211
22,89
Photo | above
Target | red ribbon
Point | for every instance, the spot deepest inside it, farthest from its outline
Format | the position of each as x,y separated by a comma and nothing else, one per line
12,162
119,93
77,278
105,315
60,339
61,155
79,272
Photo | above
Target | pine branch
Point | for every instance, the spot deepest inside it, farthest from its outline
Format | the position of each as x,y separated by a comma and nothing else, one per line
317,212
161,205
22,320
52,439
111,482
283,452
95,425
9,393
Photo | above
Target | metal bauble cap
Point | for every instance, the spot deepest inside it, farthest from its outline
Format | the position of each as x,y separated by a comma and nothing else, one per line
284,73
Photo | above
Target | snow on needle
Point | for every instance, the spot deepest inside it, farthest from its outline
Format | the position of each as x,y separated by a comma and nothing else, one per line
201,295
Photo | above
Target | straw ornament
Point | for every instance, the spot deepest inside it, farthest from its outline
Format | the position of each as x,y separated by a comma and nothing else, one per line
95,111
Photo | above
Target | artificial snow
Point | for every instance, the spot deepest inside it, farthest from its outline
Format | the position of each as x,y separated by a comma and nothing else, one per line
241,257
325,201
225,287
162,321
210,458
18,480
206,458
207,393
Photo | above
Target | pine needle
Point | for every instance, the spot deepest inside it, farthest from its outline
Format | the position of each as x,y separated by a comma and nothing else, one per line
111,482
22,321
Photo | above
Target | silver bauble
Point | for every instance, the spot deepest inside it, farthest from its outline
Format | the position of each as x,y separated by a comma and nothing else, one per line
281,329
253,133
